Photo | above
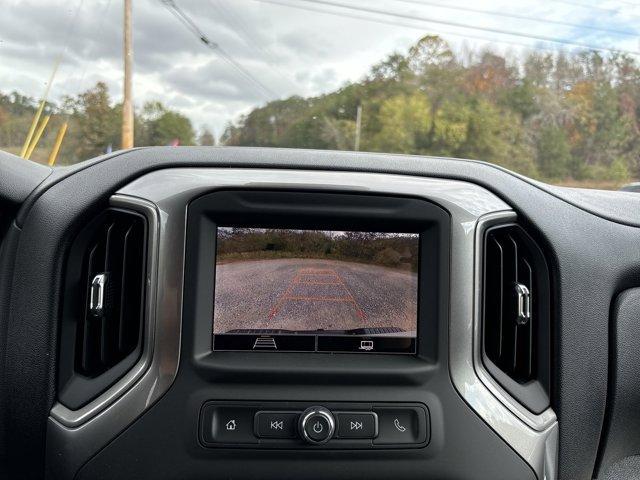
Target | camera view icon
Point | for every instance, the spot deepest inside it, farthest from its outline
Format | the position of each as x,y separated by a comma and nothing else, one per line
265,343
366,345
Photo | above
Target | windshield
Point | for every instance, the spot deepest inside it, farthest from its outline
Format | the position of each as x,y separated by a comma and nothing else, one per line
548,89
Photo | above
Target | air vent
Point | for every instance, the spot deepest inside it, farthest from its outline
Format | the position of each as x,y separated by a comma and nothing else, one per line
516,314
113,282
101,335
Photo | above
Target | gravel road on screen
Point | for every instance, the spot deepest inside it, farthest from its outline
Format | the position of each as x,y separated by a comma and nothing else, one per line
307,294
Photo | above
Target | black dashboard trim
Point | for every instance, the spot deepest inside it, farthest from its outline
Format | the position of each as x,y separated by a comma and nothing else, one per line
608,205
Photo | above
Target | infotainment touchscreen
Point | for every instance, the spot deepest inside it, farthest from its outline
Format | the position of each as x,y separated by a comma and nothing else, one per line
288,290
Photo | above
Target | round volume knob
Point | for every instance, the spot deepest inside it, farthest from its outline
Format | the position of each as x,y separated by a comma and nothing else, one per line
316,425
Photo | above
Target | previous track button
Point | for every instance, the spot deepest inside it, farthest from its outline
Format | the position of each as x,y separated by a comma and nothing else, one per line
276,424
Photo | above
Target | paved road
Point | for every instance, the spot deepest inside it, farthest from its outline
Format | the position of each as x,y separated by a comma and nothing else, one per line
307,294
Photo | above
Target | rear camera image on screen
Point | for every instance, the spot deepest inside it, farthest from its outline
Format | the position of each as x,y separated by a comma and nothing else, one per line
315,291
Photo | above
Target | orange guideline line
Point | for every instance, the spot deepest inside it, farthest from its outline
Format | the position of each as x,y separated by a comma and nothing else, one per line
287,294
324,299
317,271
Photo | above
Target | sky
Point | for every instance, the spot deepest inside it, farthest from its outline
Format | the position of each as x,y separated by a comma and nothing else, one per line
290,47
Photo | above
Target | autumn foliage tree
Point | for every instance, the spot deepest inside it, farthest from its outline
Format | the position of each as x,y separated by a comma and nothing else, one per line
552,116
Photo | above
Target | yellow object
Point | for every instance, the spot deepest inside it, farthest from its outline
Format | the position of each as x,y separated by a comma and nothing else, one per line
56,146
34,123
37,136
36,119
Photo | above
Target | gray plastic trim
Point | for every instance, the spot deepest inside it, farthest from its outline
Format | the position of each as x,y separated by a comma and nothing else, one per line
534,438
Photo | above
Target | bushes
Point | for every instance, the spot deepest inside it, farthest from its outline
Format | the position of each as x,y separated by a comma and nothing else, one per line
386,249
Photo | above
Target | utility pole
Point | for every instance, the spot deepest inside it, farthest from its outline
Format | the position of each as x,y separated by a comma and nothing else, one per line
358,127
127,104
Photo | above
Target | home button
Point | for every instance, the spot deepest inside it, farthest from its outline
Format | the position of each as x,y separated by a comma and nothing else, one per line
228,424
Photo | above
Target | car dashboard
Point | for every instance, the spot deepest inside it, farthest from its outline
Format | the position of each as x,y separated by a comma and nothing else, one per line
501,345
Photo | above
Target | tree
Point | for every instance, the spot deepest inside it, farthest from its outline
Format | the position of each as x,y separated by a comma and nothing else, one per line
496,136
98,122
206,138
404,120
393,68
553,152
339,133
436,72
166,126
170,127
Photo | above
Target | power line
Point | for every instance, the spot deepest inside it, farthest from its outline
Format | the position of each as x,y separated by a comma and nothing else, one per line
588,7
230,17
204,39
383,21
517,16
469,26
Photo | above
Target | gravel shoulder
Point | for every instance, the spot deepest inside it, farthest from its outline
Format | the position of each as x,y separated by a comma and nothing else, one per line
309,294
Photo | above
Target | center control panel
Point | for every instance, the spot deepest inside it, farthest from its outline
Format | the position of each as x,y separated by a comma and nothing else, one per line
308,425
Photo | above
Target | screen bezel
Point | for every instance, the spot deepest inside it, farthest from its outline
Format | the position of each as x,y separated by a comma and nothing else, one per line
315,209
352,338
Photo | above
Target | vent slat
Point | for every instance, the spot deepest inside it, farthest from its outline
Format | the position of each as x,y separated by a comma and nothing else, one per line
526,279
125,286
90,336
107,335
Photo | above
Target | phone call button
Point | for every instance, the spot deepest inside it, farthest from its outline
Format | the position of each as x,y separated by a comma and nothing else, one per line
401,425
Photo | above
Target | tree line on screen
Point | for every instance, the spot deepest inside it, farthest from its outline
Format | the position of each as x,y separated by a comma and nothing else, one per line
390,250
553,116
94,125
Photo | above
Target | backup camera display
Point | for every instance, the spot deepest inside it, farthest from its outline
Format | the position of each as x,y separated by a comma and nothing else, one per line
315,290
